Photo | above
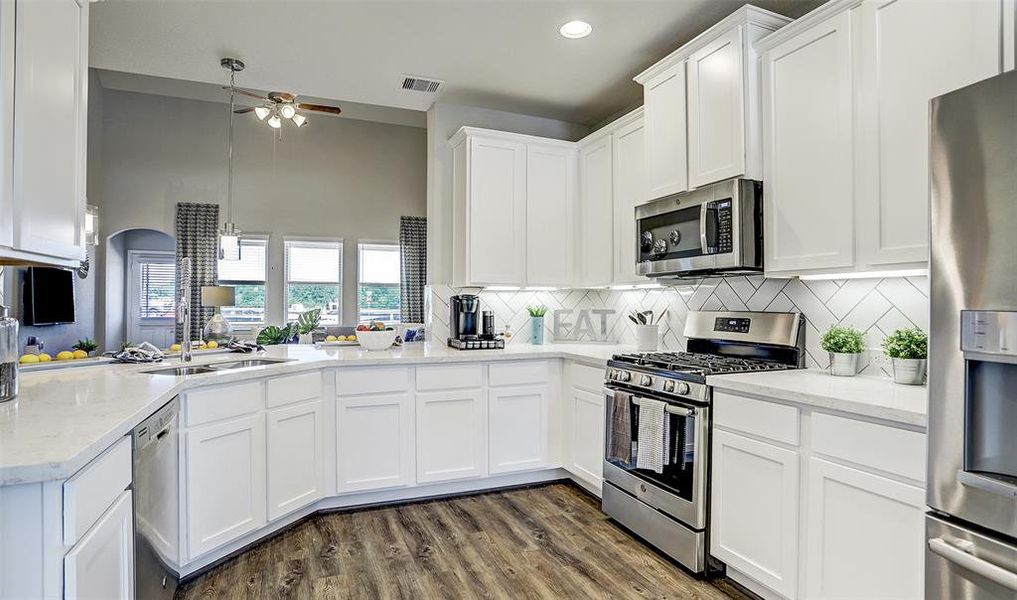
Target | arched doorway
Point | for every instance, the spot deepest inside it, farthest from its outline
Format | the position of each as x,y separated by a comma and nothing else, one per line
140,288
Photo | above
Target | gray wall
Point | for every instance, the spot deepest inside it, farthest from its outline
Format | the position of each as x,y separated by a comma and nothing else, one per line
333,178
443,120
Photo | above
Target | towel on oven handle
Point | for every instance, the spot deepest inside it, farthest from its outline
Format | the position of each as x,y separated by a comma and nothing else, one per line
654,433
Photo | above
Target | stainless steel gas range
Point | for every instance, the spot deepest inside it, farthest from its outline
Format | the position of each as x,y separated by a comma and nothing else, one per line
658,424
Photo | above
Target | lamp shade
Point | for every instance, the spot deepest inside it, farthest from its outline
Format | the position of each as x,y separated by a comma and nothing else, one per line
218,295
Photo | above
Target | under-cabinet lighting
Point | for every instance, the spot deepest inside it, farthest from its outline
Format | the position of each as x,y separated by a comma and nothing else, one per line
540,288
502,288
867,274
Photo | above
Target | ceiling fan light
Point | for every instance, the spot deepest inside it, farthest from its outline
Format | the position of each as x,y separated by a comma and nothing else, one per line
299,120
287,111
275,122
261,112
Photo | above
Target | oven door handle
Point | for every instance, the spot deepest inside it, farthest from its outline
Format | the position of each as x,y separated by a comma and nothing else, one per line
681,411
986,569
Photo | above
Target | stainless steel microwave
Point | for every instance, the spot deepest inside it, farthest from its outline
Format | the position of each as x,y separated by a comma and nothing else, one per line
713,230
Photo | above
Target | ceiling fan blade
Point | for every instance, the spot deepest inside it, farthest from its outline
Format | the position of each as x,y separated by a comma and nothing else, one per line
282,96
241,111
335,110
244,92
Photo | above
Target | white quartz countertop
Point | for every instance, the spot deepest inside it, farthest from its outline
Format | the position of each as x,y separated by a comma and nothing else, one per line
864,395
63,418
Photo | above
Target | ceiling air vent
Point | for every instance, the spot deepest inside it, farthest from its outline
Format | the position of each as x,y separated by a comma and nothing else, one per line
421,84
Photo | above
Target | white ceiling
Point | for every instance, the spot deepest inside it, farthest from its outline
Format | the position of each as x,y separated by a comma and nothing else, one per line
504,55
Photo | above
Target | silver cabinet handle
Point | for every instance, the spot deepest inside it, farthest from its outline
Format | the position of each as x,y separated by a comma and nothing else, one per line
986,569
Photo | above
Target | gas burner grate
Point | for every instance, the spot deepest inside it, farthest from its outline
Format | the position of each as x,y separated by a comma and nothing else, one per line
702,364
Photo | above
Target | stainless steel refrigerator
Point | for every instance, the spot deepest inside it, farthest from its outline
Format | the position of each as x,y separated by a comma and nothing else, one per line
971,527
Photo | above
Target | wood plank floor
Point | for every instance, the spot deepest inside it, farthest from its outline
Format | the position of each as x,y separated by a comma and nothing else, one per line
543,542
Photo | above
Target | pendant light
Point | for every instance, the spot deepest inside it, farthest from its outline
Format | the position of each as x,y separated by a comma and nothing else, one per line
229,235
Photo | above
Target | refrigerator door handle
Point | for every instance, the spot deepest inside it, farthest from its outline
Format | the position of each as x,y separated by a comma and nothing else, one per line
987,484
986,569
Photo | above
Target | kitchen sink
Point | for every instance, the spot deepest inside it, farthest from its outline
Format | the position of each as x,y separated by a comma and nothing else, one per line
181,371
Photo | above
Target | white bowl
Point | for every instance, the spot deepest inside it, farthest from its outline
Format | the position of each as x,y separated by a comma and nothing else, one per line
376,340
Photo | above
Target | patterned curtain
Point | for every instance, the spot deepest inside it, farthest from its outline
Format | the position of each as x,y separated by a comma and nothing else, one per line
198,239
413,267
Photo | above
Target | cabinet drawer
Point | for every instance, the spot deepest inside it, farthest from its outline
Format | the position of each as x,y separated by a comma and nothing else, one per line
93,489
372,380
518,373
223,402
889,449
778,422
450,377
293,388
586,378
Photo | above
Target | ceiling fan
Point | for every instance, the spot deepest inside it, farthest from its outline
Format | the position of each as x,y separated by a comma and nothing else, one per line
275,106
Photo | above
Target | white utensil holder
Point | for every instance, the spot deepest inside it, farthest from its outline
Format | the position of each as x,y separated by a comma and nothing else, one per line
646,338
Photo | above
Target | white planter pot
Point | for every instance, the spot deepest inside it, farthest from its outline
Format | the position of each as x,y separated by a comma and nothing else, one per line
306,338
843,364
646,338
909,371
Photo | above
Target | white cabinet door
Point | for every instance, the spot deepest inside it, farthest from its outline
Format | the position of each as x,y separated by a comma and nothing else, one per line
375,442
551,183
7,31
807,149
664,105
296,457
717,110
596,213
585,458
517,428
865,535
224,469
451,435
913,51
497,212
629,190
50,95
101,564
754,522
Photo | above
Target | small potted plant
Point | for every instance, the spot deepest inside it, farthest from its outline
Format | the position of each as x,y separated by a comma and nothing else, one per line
537,323
307,322
87,345
908,348
845,344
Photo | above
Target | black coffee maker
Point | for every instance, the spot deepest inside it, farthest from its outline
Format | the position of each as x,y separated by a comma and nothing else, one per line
465,325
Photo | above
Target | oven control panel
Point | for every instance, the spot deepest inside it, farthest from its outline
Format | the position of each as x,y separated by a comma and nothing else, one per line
660,384
732,324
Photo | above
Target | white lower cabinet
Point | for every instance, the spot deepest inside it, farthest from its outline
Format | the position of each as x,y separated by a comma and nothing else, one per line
296,461
865,535
225,482
451,435
101,564
517,425
585,454
754,526
374,441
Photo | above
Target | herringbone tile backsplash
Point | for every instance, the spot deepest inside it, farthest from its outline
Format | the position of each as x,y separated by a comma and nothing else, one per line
875,306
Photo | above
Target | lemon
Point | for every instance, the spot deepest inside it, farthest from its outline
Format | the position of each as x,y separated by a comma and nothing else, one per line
175,348
65,355
203,346
80,354
351,338
213,345
331,338
27,359
43,357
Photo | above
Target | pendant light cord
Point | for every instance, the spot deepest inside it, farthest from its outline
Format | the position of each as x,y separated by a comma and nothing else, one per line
229,151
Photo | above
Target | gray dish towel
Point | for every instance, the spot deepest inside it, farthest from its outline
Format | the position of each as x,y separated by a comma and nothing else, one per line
620,446
654,431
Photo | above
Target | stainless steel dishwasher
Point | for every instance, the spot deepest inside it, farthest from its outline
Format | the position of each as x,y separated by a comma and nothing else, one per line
156,504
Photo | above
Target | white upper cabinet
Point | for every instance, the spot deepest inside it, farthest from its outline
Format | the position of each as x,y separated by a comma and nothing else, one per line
912,51
551,192
47,78
667,170
513,199
845,121
807,141
717,110
596,212
629,180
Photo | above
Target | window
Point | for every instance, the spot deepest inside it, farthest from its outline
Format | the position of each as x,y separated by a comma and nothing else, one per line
378,295
247,275
314,279
155,286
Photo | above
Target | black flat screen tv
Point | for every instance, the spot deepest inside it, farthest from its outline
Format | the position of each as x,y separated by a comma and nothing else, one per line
48,296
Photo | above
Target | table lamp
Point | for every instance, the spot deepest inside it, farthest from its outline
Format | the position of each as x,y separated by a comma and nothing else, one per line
217,328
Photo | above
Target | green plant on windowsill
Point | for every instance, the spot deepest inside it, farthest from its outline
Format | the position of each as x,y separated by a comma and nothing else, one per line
309,321
274,334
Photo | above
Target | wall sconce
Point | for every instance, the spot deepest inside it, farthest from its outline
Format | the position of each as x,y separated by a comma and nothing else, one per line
92,225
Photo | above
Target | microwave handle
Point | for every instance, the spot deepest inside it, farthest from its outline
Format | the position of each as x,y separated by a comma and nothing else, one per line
703,238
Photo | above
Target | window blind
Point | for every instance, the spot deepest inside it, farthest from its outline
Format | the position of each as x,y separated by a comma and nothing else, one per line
314,261
157,290
379,263
251,266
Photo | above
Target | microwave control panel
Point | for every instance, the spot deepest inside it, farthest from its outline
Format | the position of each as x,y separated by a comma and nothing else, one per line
722,208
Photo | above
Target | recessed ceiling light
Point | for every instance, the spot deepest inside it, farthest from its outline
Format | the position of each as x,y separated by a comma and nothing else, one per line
574,30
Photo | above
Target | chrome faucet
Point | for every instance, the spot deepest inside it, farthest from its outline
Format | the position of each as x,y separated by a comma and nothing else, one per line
184,308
